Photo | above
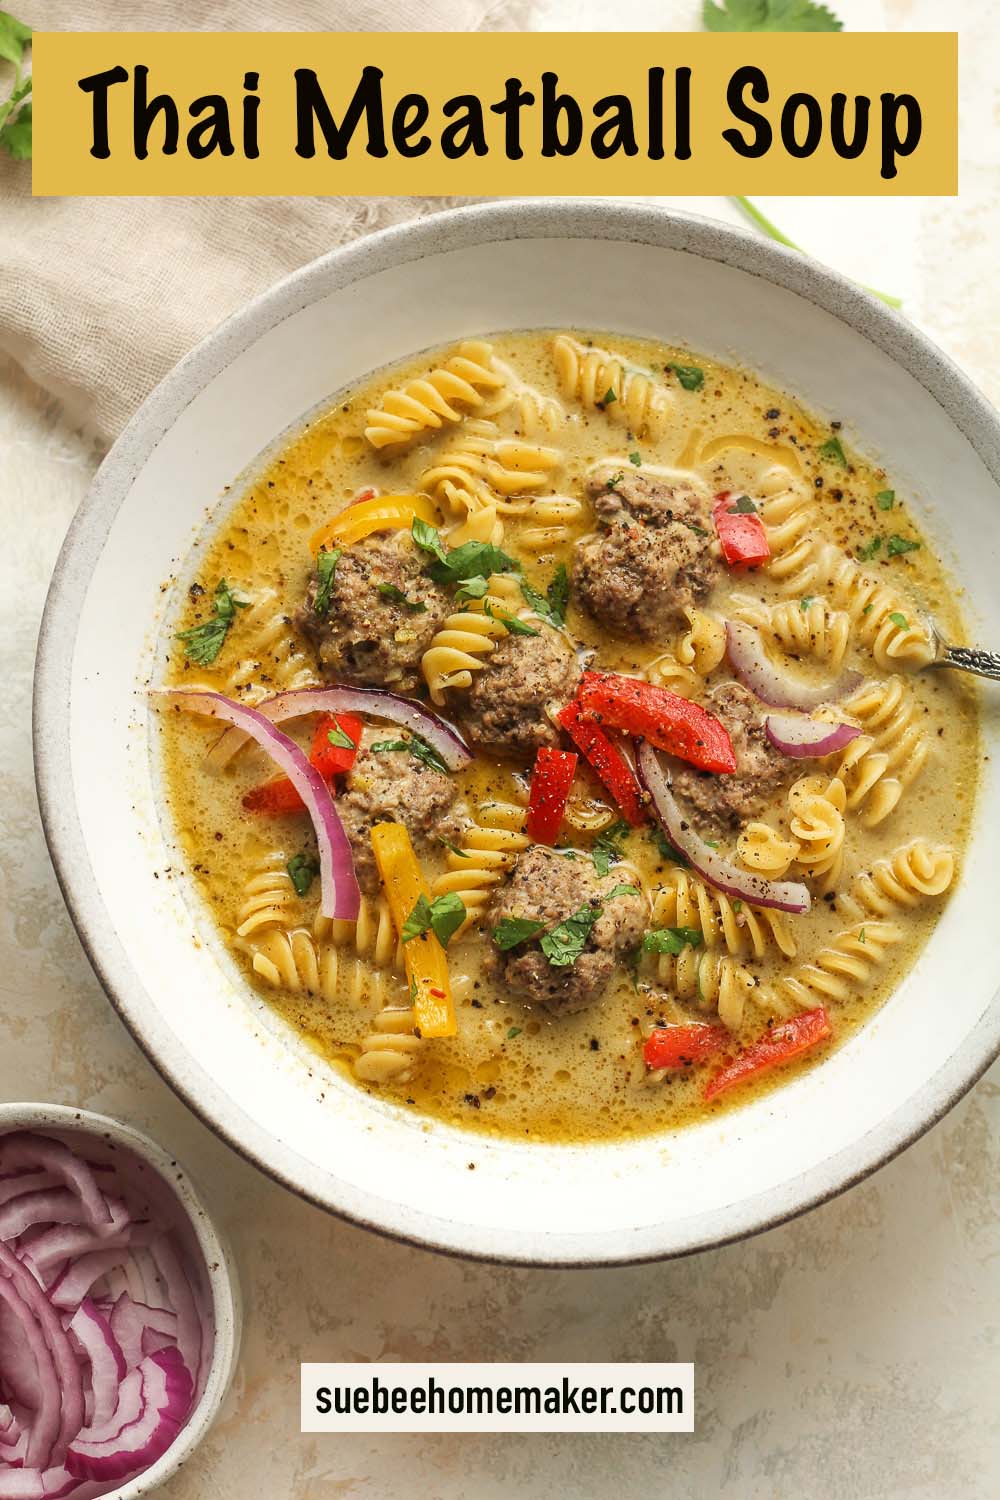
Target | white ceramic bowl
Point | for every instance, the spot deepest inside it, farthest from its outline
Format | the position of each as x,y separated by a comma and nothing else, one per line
130,1151
506,265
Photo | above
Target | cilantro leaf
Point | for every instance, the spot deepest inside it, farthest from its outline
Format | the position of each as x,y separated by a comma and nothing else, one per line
512,623
885,499
339,737
514,1031
15,136
769,15
302,871
671,939
900,544
805,601
472,588
396,595
552,604
608,849
471,560
744,506
833,449
635,458
202,643
443,916
510,931
665,848
691,377
899,620
326,567
609,397
622,890
868,551
15,37
418,748
564,944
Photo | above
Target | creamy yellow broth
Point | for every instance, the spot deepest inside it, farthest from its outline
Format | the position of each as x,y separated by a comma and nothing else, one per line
513,1069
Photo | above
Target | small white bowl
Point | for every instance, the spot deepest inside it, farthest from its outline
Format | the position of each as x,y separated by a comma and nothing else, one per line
105,1139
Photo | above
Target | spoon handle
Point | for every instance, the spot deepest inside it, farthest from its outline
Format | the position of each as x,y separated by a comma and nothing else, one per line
970,659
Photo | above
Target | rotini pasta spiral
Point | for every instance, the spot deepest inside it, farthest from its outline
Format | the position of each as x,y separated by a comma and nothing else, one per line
764,850
390,1051
816,807
548,521
790,517
489,848
299,963
876,610
745,931
372,936
703,646
468,638
598,378
709,979
798,627
666,671
914,873
877,766
436,398
269,897
484,468
532,412
840,969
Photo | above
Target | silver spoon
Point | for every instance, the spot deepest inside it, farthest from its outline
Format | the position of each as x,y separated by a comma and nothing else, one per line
964,658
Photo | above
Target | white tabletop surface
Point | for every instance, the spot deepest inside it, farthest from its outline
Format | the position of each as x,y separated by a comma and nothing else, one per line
854,1353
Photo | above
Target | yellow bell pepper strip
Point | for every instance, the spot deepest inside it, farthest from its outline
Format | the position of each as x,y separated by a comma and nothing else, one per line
426,964
380,513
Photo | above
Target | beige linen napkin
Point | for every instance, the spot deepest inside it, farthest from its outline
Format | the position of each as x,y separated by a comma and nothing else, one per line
99,297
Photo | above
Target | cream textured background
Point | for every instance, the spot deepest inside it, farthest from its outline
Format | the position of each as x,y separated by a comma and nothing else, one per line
852,1354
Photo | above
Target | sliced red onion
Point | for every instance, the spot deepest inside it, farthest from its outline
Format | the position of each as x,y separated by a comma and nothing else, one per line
165,1402
68,1290
776,685
64,1363
41,1376
39,1153
340,892
37,1484
47,1206
182,1300
803,738
375,703
782,895
93,1332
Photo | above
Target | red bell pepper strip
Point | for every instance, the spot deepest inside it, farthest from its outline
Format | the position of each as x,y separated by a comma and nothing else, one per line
682,1046
778,1046
551,780
742,535
659,716
279,796
606,759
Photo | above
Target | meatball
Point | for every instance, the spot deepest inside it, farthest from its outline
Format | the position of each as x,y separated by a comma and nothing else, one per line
383,612
726,802
392,786
505,708
653,558
548,887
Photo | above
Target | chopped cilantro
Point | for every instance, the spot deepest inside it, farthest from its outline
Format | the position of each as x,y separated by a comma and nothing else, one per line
861,935
15,111
868,551
472,588
671,939
609,397
833,450
390,591
326,567
693,526
666,848
453,848
338,737
444,916
691,377
510,931
302,871
615,479
885,499
805,602
564,944
900,544
202,643
552,604
712,843
418,748
512,623
744,506
607,849
471,560
635,458
513,1031
899,620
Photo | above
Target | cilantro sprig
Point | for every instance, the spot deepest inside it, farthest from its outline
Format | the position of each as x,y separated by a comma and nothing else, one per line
671,939
471,560
15,110
202,643
443,916
418,748
769,15
326,568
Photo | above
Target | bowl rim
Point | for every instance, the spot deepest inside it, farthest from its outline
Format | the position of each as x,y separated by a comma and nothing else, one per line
220,1267
587,219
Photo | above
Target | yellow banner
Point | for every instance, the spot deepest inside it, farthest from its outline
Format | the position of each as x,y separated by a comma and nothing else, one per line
483,114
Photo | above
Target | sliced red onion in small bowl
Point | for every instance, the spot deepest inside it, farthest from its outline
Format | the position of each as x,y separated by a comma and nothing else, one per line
781,895
774,684
340,893
803,738
95,1387
340,698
